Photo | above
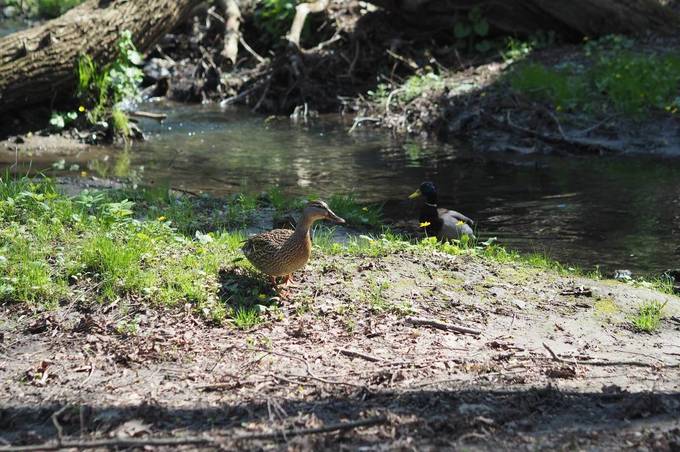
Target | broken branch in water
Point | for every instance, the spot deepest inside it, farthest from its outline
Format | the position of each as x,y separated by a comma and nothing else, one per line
146,114
359,120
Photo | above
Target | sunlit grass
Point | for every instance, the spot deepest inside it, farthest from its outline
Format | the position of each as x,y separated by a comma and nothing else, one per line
614,79
144,246
648,317
246,317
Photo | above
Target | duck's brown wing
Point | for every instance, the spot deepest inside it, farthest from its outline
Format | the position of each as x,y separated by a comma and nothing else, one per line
266,244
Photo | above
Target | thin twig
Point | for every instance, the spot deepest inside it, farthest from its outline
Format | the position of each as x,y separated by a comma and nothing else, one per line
410,63
263,96
176,441
557,123
389,99
112,443
340,426
239,96
600,363
356,354
57,425
250,50
308,369
359,120
596,125
442,326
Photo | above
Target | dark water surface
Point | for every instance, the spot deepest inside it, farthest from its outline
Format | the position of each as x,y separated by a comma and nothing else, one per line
615,212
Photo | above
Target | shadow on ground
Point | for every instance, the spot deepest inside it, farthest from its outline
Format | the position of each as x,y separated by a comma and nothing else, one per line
525,418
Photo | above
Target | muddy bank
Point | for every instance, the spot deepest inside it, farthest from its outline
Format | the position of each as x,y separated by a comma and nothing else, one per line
547,361
384,71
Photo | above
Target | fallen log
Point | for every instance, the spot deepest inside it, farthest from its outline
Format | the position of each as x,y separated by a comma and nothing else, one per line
37,65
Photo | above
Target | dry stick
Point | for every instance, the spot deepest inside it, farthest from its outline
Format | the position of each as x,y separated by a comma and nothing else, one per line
389,99
596,125
442,326
241,95
309,375
606,363
171,441
57,425
231,31
250,50
320,46
111,443
340,426
355,354
301,12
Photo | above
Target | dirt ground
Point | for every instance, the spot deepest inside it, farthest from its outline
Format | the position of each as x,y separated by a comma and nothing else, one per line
348,345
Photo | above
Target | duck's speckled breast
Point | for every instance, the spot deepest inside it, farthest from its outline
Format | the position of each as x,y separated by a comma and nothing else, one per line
293,255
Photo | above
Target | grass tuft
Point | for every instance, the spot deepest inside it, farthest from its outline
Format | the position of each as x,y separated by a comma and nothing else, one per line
648,317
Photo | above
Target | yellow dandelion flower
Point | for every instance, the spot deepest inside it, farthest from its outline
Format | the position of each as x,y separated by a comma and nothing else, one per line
83,174
162,218
81,109
425,224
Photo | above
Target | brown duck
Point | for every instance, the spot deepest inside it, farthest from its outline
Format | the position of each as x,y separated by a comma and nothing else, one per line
280,252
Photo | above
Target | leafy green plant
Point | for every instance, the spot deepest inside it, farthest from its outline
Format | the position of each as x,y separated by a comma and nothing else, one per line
649,316
46,9
275,17
101,89
60,120
471,31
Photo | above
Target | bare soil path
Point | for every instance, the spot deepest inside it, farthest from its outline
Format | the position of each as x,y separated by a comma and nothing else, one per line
555,366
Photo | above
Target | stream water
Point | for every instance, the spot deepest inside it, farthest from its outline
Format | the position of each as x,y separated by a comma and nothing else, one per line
614,212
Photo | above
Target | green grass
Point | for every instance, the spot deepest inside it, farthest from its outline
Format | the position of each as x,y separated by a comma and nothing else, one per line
120,122
614,79
648,317
46,9
246,317
344,205
55,247
150,246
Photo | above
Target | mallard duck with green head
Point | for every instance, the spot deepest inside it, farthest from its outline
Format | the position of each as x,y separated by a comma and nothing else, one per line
280,252
445,224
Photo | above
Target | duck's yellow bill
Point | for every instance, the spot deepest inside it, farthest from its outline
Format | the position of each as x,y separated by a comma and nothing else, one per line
415,194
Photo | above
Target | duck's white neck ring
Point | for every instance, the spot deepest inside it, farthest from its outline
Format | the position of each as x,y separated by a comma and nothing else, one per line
431,205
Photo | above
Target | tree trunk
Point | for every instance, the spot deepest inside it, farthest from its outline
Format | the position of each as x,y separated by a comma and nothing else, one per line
37,65
575,18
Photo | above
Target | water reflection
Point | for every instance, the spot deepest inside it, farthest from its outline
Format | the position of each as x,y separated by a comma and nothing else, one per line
618,212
